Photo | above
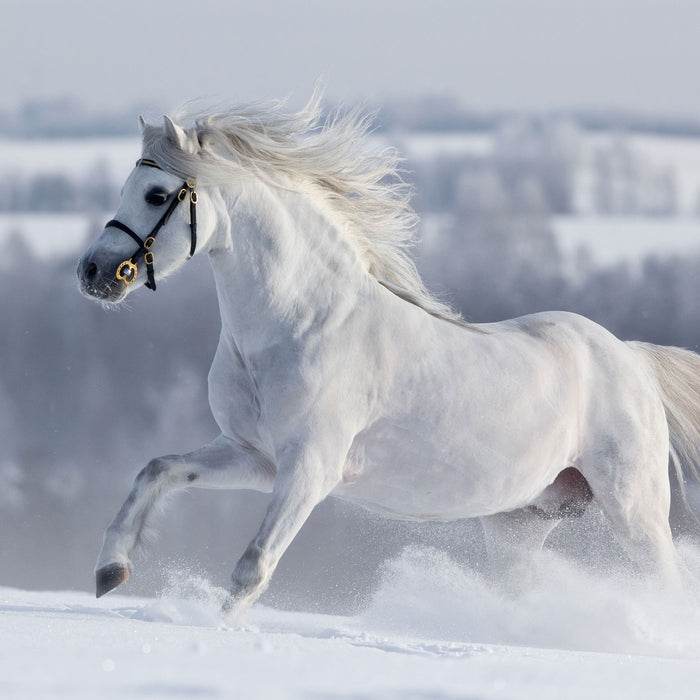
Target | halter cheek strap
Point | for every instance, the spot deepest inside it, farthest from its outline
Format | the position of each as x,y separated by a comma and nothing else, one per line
128,270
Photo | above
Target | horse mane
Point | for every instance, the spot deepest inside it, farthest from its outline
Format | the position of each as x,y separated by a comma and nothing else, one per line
306,149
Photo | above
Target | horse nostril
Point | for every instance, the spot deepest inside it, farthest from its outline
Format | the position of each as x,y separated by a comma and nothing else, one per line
91,271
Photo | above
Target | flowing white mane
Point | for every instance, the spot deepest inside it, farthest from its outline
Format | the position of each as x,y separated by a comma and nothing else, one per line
305,149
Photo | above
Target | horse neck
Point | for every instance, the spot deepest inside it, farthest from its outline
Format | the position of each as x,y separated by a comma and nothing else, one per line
289,268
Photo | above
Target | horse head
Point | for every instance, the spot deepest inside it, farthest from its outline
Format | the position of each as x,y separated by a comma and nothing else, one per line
151,229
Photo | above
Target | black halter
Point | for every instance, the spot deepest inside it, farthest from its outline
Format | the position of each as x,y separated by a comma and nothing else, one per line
127,271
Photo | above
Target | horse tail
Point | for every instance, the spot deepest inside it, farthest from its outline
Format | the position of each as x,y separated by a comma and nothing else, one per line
677,374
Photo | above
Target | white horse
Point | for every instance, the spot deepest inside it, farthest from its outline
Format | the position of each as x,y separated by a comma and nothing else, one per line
338,374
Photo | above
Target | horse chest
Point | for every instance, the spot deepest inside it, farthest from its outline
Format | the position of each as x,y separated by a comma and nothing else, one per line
234,397
261,399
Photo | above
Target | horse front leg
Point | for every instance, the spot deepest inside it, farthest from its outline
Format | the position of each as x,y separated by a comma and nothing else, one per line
295,495
222,463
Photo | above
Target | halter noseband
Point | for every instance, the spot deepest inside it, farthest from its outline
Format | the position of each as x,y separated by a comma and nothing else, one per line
127,271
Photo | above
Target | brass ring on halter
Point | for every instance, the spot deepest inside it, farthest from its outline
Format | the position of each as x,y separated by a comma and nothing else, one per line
182,194
193,197
149,258
129,276
148,243
191,182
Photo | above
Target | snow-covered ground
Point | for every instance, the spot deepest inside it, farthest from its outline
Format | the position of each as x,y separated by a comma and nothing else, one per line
74,157
614,239
433,630
50,234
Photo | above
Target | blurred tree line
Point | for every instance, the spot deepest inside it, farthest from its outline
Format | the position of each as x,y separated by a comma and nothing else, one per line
496,256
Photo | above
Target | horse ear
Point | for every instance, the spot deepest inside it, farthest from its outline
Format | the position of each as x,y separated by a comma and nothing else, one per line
142,124
175,133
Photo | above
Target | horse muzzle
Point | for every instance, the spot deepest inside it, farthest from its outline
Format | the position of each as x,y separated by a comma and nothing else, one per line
98,279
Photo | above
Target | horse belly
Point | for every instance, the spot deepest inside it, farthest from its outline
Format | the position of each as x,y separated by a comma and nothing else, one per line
402,474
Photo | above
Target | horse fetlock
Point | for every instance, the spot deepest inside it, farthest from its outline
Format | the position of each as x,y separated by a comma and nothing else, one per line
116,546
251,574
234,607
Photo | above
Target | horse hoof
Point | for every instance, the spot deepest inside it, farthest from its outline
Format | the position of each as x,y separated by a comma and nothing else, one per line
233,609
228,607
109,577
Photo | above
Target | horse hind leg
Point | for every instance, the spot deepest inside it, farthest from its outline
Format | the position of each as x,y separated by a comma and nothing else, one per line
512,541
632,487
514,538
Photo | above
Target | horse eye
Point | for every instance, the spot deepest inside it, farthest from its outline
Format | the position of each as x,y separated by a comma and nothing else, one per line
156,197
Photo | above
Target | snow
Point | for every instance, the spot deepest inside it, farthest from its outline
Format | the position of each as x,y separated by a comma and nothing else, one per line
614,239
433,145
51,234
73,157
434,629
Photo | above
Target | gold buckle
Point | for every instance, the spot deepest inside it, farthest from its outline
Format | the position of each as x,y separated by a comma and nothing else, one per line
129,275
148,258
148,243
193,197
182,194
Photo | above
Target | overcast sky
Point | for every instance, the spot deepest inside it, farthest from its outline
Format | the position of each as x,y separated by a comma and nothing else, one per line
532,54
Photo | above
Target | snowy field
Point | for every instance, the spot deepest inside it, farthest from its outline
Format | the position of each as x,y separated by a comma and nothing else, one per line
74,157
51,234
614,239
433,630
